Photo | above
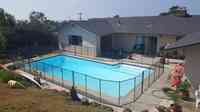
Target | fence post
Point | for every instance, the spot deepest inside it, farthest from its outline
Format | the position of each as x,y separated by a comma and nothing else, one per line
29,66
87,51
134,89
23,66
81,51
73,81
149,76
100,90
119,93
86,85
155,73
43,70
142,86
52,73
62,77
36,67
163,68
74,50
158,71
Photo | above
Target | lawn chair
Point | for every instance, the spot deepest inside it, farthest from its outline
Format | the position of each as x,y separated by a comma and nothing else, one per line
12,83
197,97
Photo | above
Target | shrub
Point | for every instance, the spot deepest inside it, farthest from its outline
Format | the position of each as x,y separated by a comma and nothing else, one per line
85,101
174,97
127,110
184,86
167,90
1,66
175,108
183,89
145,111
162,109
14,66
5,76
95,104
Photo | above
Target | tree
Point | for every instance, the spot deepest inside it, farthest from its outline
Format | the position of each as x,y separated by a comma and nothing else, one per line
7,24
39,20
35,33
176,11
2,42
37,17
6,20
31,35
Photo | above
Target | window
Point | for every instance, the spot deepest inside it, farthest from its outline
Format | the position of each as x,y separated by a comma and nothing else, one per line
75,40
139,42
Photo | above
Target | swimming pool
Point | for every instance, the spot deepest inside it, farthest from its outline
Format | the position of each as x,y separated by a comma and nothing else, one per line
112,79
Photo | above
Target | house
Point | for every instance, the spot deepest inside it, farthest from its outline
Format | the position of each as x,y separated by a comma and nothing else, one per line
190,45
146,35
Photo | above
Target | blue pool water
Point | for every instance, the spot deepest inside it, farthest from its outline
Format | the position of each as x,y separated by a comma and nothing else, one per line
93,71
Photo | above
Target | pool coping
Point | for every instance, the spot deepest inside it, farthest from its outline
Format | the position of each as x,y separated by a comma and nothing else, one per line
95,59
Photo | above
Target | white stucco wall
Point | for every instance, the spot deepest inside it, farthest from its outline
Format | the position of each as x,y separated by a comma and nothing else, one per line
89,39
192,64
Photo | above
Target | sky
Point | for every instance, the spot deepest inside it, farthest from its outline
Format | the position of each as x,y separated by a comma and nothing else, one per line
68,9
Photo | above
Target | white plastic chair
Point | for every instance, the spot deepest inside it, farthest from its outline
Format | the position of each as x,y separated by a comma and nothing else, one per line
12,83
197,96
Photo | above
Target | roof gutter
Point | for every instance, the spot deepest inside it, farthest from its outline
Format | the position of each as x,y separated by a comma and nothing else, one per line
182,46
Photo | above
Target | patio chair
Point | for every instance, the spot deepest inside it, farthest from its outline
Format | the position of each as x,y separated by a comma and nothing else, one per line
12,83
197,97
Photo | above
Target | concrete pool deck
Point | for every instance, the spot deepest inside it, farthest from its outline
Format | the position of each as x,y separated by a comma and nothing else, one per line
154,96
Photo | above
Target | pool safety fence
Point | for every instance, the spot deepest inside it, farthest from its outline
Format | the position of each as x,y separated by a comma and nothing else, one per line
81,50
123,92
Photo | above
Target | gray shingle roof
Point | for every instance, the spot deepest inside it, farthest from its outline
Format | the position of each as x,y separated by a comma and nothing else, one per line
99,27
188,40
148,24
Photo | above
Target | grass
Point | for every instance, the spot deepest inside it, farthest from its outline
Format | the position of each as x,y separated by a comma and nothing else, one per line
33,99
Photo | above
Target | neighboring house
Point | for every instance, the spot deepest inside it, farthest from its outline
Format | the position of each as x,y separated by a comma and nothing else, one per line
131,34
190,45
